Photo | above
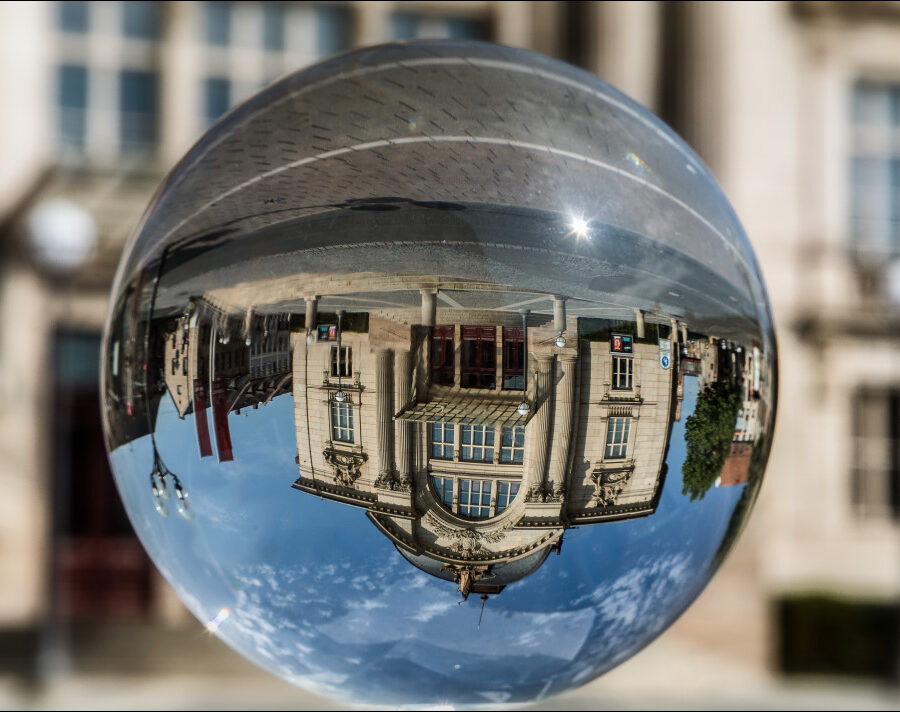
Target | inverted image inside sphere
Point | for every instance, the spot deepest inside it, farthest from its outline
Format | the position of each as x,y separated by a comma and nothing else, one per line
439,373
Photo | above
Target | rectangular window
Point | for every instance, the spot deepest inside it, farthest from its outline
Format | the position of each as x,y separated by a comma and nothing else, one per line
217,97
475,498
218,23
140,19
273,26
513,358
477,443
617,438
442,441
73,16
138,101
478,364
409,26
442,355
342,422
622,373
506,493
444,488
512,445
346,365
332,30
875,168
72,92
876,439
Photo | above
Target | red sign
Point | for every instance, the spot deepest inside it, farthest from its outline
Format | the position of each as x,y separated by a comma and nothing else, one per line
220,419
200,418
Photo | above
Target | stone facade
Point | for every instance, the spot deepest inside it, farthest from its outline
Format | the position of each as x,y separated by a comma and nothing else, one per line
462,475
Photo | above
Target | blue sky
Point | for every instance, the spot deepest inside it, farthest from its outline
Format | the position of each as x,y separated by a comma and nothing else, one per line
318,596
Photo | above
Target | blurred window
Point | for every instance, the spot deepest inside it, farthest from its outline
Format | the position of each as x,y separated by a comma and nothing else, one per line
477,443
617,438
622,373
332,30
138,102
218,23
217,97
342,422
512,445
442,441
73,16
410,26
876,459
273,26
140,19
100,568
72,91
875,168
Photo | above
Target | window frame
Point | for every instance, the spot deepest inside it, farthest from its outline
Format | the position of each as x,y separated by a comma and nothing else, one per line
617,438
617,375
334,408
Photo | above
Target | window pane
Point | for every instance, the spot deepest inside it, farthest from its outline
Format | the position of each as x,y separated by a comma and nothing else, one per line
273,26
217,93
332,30
467,28
140,19
73,16
137,109
218,23
73,97
73,86
404,26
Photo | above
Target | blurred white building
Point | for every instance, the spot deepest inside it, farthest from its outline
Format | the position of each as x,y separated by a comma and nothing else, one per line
794,106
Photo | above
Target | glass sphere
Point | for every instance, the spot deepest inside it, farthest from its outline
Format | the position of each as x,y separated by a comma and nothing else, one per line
464,364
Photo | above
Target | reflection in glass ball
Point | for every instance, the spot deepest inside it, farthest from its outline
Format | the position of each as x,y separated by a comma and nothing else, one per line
456,367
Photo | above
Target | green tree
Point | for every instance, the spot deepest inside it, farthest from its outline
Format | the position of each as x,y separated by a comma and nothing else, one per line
709,432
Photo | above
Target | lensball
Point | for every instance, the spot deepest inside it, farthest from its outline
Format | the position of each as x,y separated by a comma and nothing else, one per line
438,373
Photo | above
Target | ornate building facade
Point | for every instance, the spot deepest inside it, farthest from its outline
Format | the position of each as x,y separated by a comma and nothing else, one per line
472,456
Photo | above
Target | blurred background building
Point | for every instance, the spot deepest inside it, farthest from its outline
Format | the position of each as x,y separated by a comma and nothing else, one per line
795,106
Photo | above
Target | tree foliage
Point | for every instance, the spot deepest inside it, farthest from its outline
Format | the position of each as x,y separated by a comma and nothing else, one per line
709,432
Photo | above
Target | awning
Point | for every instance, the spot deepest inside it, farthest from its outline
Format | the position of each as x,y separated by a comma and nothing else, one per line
465,410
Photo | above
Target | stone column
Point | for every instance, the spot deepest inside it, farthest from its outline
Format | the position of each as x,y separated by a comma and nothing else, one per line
312,313
540,424
559,314
639,322
429,306
683,327
565,402
403,391
384,412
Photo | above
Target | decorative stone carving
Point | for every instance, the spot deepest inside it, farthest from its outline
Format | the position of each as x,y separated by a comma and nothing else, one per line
608,486
546,493
466,542
346,465
393,481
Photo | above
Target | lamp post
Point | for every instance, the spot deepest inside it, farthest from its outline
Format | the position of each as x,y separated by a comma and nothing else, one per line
339,395
524,407
160,487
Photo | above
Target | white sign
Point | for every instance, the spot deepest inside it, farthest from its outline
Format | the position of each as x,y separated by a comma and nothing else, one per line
665,345
665,360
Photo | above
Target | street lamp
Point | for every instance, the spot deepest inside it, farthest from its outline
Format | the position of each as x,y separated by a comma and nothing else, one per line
524,407
339,395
